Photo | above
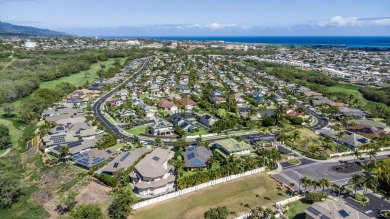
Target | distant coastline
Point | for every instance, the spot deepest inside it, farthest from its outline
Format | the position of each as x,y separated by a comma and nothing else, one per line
373,42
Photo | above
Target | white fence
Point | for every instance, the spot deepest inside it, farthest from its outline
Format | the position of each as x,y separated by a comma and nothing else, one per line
351,152
203,136
195,188
280,204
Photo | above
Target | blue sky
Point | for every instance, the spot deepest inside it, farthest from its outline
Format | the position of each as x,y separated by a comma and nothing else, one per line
203,17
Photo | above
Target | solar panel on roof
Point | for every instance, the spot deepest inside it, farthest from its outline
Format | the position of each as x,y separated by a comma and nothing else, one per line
343,213
156,158
116,165
324,217
190,156
313,210
197,163
125,156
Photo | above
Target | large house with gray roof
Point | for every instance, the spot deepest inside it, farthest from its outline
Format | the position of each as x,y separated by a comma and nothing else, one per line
123,161
153,175
196,156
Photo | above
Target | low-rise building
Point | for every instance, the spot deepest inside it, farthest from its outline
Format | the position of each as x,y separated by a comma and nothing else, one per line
333,210
208,120
161,127
231,147
123,161
153,175
196,156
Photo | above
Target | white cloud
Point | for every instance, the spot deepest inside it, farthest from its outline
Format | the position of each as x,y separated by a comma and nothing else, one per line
339,21
382,22
213,26
354,21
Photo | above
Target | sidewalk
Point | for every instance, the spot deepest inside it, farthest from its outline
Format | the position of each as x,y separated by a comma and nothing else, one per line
335,159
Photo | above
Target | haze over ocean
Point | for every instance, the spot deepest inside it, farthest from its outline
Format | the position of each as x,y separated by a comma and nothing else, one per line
349,42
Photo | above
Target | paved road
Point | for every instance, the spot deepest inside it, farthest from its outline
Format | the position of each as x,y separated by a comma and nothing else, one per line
321,121
97,106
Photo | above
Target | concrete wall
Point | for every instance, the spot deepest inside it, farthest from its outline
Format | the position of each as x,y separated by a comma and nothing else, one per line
351,152
195,188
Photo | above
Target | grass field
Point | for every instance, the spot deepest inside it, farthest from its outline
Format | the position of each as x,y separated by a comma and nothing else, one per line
79,79
234,195
296,210
14,132
202,131
349,89
137,130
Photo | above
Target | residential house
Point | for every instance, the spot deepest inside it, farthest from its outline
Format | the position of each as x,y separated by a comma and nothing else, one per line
149,110
231,146
351,140
92,157
153,175
187,103
333,210
217,99
366,130
168,105
349,112
161,127
208,120
123,161
195,157
183,124
183,89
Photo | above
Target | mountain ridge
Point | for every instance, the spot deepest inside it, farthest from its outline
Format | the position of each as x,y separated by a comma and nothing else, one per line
12,29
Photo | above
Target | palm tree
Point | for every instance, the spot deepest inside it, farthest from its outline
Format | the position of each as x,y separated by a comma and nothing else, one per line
364,201
305,181
356,180
339,136
356,155
64,151
324,182
335,187
315,184
372,154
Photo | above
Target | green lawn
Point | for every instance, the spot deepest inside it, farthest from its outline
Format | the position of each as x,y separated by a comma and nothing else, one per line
202,131
14,132
234,195
117,146
79,79
137,130
349,89
296,210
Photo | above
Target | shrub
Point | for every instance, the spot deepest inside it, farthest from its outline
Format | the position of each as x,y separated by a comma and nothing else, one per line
107,179
315,196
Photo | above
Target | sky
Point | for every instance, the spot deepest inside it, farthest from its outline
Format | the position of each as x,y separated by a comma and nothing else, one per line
203,17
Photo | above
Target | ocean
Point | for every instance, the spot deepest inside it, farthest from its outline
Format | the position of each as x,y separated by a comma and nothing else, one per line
348,42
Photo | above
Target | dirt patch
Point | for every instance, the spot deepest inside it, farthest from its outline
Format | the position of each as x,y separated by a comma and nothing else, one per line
55,178
42,196
93,193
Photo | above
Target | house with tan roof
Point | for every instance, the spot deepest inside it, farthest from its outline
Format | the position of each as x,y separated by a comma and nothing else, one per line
187,103
153,175
168,105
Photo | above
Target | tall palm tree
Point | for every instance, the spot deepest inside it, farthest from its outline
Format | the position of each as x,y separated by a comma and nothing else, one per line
305,181
335,187
64,151
356,155
356,180
324,182
372,154
339,136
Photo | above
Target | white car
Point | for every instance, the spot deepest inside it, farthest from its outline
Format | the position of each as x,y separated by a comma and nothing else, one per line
167,140
143,142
